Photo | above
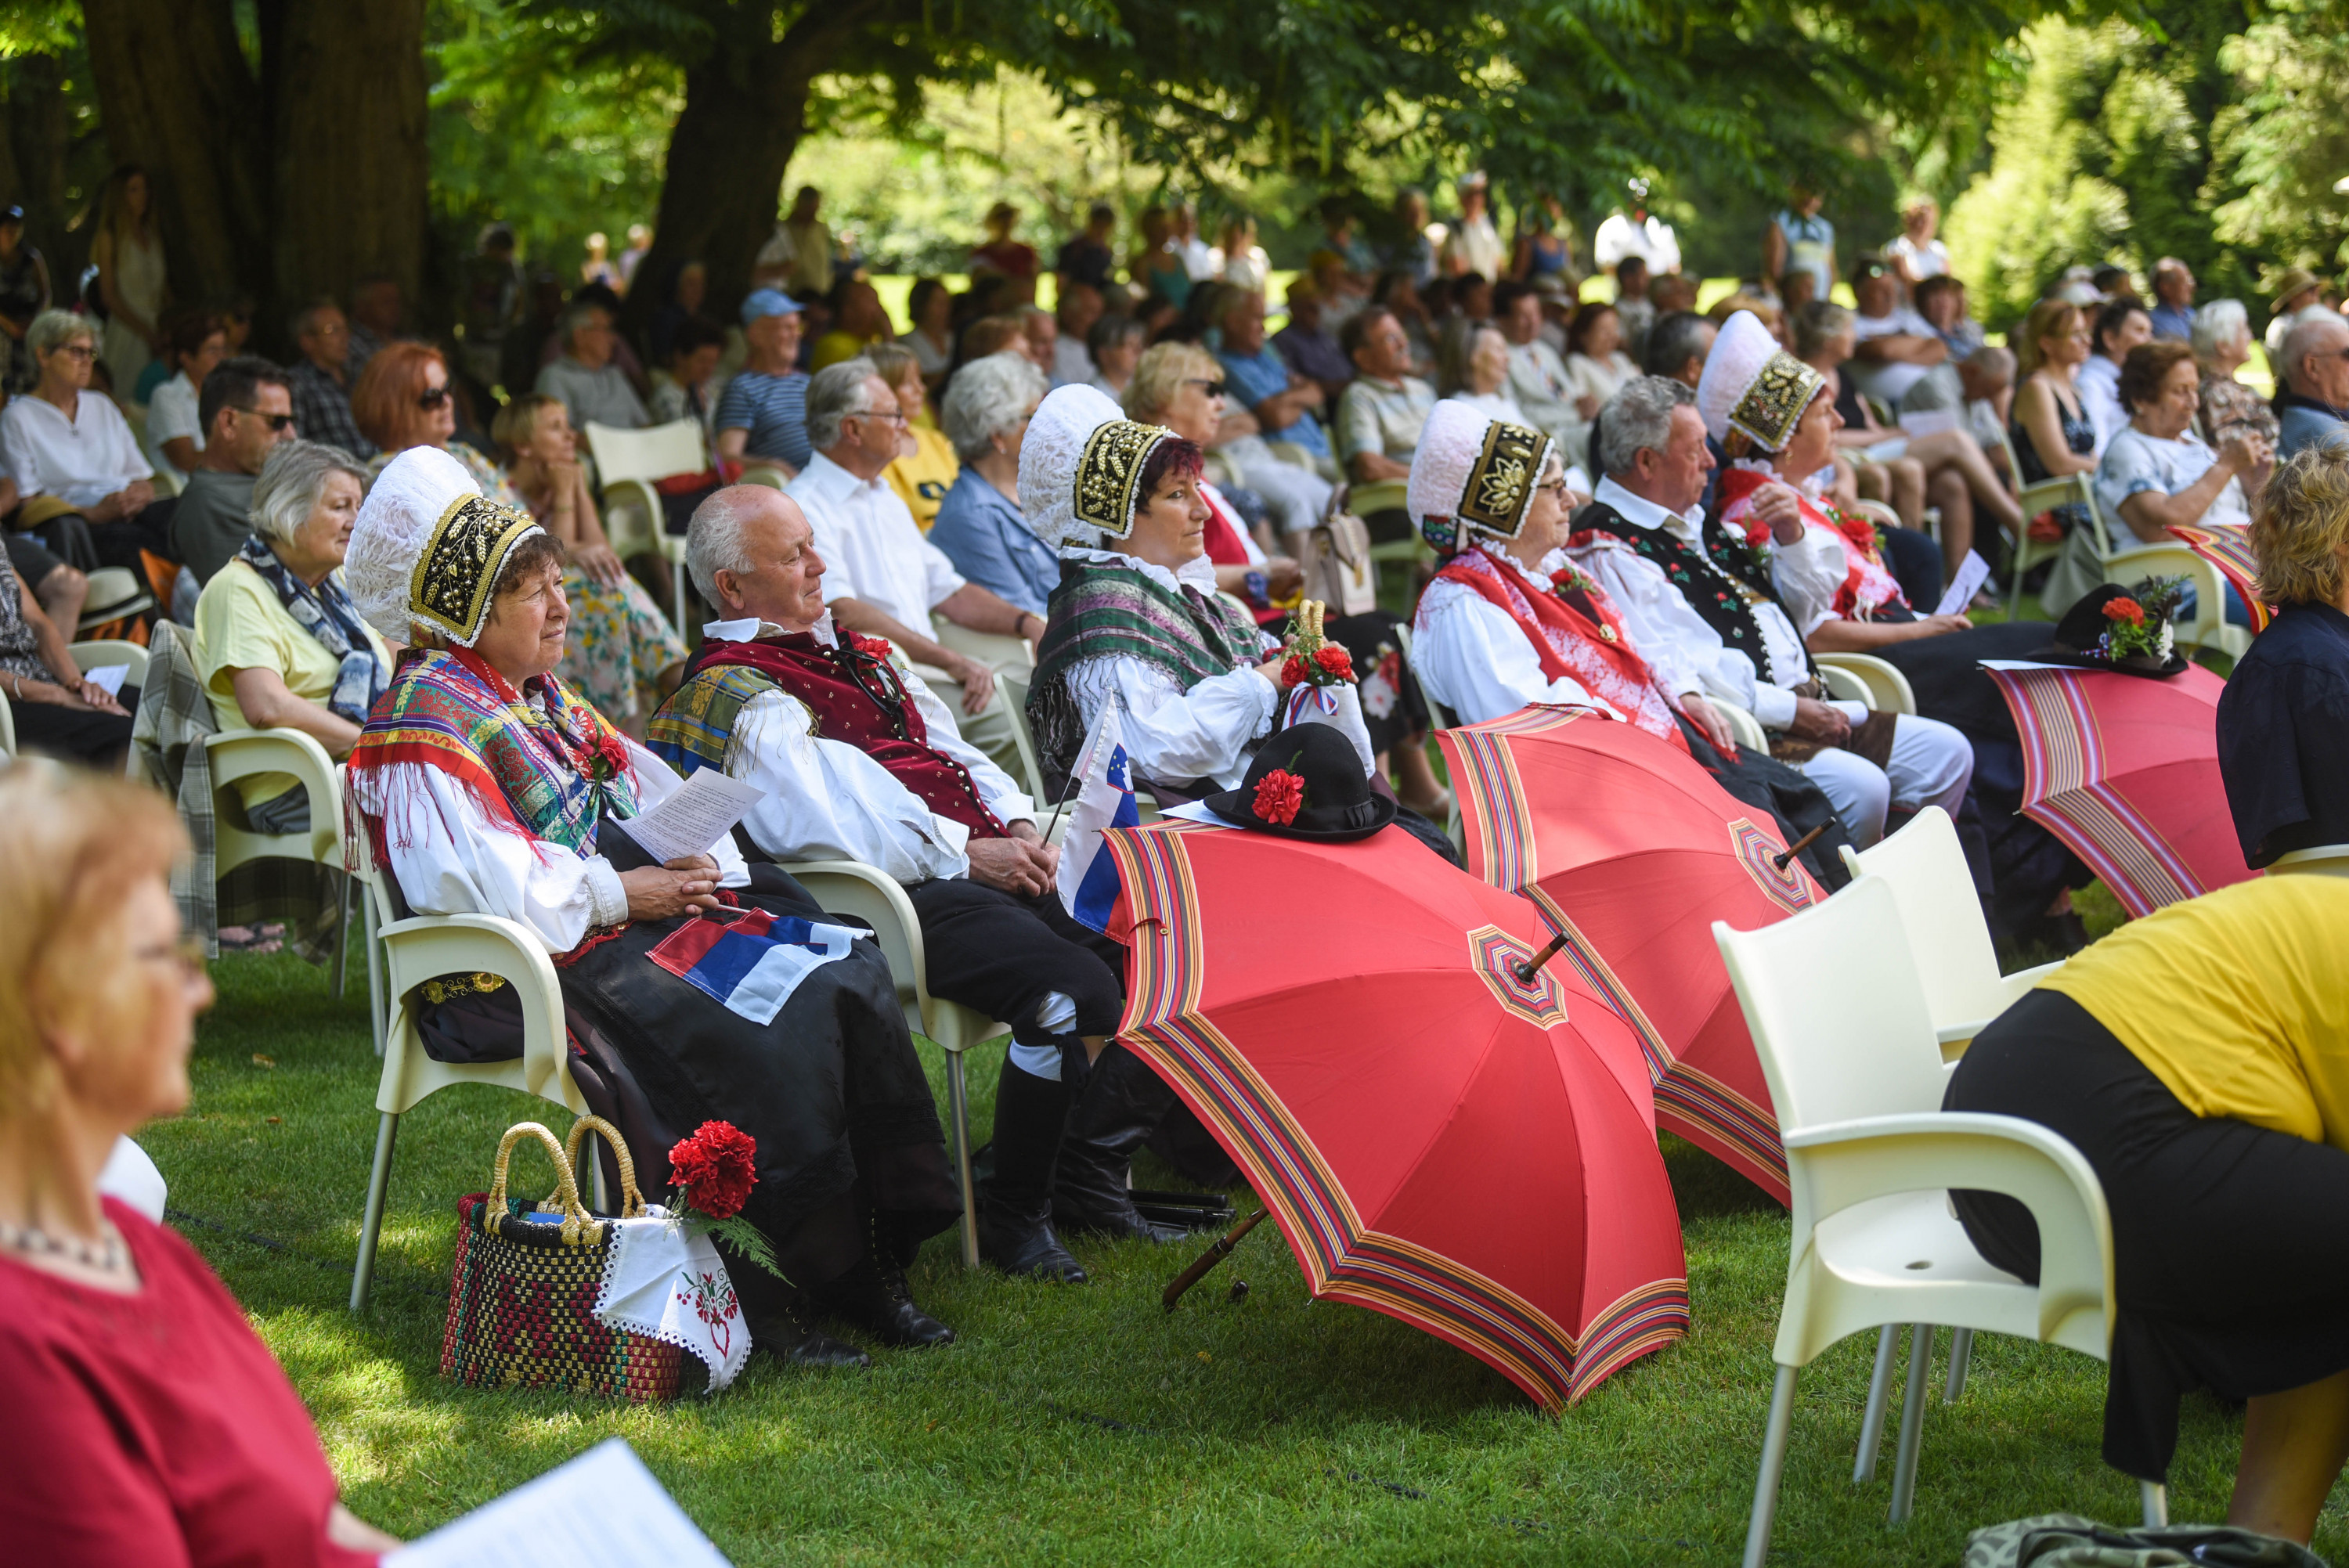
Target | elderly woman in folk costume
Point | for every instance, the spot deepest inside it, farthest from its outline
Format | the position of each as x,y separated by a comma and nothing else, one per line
484,784
1136,620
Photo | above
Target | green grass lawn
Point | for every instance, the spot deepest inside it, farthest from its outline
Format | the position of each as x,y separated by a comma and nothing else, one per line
1085,1424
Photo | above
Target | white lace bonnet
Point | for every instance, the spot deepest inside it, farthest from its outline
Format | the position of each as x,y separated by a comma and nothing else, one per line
1474,473
1752,385
1081,467
428,548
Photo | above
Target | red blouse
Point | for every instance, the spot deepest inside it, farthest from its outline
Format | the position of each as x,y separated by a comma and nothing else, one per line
154,1428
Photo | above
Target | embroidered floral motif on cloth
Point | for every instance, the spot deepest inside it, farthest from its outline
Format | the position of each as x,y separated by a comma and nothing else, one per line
1773,405
457,572
1501,483
1109,472
527,757
1721,581
1585,642
853,694
1869,592
1102,612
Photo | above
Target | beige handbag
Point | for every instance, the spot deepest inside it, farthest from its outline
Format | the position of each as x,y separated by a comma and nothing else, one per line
1335,557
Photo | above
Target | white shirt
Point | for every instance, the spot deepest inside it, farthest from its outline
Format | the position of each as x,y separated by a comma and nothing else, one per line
1479,662
449,859
1538,381
82,460
1671,635
1885,379
1072,363
1929,260
829,800
171,415
1172,734
1652,241
1494,405
1477,242
2099,385
872,550
1198,258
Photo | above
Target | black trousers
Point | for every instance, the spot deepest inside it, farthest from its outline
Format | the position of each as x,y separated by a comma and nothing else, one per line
1002,954
2231,1242
76,734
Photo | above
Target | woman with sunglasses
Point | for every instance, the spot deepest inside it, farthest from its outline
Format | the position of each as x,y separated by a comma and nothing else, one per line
159,1427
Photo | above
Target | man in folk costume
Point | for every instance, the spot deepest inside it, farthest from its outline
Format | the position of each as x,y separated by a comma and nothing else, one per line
482,784
1508,621
859,761
1693,594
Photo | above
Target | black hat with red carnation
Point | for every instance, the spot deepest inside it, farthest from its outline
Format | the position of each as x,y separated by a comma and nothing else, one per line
1306,782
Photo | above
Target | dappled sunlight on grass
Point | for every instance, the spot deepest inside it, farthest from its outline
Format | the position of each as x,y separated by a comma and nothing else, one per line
1088,1423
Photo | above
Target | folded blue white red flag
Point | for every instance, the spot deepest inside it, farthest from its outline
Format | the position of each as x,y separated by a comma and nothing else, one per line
750,959
1104,777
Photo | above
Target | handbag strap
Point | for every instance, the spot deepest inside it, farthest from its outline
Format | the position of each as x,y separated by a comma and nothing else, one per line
632,1201
577,1223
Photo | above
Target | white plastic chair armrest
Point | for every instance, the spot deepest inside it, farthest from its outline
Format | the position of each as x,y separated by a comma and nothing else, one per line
632,492
1837,1165
234,755
1888,689
891,892
429,945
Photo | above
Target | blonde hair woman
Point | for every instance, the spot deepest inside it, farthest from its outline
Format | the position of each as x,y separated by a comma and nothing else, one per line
163,1429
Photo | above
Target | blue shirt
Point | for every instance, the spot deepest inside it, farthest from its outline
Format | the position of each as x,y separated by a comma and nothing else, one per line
2172,321
988,539
773,408
1263,375
2305,422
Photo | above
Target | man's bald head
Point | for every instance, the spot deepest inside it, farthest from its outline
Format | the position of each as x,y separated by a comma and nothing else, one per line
752,555
2313,359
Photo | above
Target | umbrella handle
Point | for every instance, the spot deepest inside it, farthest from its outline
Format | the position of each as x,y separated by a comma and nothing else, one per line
1208,1260
1797,847
1525,969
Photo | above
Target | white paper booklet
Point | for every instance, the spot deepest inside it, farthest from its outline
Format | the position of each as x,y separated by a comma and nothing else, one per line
1973,573
603,1510
701,811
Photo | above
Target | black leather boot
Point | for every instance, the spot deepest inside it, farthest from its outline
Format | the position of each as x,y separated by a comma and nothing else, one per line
1123,1101
872,1296
779,1320
1015,1203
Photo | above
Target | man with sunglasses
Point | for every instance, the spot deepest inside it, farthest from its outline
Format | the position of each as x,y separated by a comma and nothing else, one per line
2313,409
247,409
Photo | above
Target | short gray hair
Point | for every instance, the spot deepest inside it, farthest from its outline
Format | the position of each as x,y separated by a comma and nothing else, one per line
713,539
53,329
987,396
2220,321
1637,417
834,393
1814,325
577,317
2307,335
293,481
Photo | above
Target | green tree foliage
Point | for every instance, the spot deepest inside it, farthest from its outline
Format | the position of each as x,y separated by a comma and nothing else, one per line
2283,146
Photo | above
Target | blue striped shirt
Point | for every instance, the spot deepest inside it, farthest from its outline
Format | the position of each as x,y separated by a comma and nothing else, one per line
773,409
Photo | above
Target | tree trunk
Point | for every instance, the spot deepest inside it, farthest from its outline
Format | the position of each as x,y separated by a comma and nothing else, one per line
177,98
346,89
39,135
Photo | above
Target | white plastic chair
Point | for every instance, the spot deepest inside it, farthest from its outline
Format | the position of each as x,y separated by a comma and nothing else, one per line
106,652
7,731
1864,677
2318,859
872,895
423,947
238,754
628,463
1857,1080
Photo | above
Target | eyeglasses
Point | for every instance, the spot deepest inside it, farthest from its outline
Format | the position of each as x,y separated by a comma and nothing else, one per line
278,423
432,397
81,351
894,415
1214,388
188,952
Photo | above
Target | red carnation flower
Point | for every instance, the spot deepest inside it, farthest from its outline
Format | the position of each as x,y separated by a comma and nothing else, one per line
1292,670
2127,610
609,757
1335,660
715,1169
1279,794
871,647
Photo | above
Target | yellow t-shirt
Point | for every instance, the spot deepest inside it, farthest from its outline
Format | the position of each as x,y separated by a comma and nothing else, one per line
2237,1000
923,479
240,625
837,348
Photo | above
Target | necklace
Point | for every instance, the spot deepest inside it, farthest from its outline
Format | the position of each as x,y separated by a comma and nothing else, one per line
107,1254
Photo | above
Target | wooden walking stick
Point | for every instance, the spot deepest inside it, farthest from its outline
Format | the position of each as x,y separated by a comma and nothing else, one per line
1208,1260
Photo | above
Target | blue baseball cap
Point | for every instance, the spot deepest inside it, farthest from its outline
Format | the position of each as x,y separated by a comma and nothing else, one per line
763,303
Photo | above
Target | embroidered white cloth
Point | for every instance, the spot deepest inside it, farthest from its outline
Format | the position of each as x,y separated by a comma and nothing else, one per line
1339,707
669,1284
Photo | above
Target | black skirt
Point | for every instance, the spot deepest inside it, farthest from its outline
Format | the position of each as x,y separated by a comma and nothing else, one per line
2231,1242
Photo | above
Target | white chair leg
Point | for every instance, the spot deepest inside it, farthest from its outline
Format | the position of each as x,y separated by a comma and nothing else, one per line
371,1225
959,1111
1912,1422
1961,1351
1879,1393
1773,1466
2155,1497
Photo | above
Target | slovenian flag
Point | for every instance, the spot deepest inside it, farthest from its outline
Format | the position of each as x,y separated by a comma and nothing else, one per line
750,959
1088,878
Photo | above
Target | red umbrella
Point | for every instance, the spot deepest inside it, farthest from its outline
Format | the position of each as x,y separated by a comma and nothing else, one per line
2125,769
1440,1140
1632,852
2229,547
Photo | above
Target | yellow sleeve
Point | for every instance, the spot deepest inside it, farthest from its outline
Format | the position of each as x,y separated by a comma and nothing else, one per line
240,625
